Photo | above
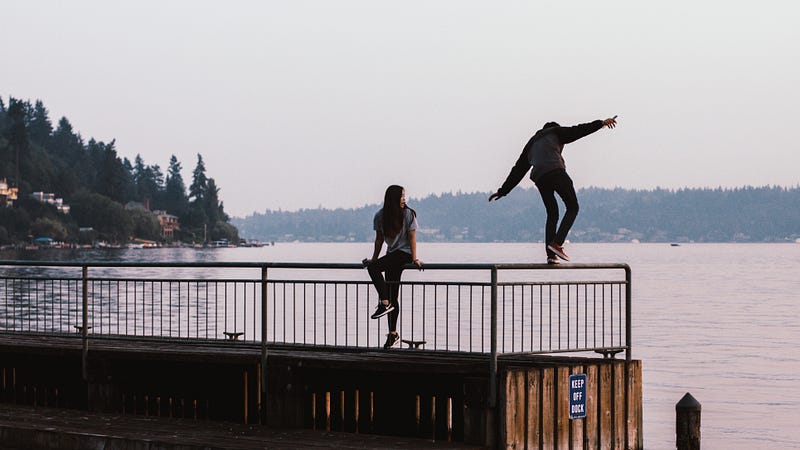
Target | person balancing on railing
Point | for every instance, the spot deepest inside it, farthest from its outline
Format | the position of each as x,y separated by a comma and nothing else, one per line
396,224
543,152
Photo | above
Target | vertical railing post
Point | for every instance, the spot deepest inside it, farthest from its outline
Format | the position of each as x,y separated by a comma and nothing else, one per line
263,380
628,313
493,419
85,328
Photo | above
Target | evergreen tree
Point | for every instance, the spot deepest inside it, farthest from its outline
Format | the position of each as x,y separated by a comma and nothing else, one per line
66,144
175,199
6,158
90,176
217,219
158,177
157,186
17,136
130,187
193,221
67,147
40,128
148,184
109,177
138,172
199,185
211,202
93,179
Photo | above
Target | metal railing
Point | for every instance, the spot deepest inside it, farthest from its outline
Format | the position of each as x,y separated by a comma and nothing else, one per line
476,308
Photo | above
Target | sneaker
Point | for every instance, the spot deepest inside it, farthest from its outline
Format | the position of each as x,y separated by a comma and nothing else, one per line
558,250
391,340
382,310
552,260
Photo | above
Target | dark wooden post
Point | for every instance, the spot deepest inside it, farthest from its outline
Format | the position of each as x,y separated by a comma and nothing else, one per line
263,379
687,423
85,323
628,314
491,430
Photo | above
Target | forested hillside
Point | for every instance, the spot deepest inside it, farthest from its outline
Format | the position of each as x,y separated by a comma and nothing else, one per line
106,193
747,214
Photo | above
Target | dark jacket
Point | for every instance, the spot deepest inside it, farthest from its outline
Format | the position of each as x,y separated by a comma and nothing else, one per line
543,152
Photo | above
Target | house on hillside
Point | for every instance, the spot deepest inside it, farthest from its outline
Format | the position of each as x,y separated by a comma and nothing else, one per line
50,198
169,224
7,194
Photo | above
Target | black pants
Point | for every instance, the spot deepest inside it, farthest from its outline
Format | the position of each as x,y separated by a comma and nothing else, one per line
388,289
551,183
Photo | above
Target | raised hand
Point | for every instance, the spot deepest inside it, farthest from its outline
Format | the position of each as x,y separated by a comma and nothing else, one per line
611,122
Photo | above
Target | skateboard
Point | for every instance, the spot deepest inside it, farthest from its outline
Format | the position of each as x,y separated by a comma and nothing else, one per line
413,344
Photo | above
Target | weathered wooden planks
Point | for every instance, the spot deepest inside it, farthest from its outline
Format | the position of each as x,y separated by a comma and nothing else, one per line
536,402
436,395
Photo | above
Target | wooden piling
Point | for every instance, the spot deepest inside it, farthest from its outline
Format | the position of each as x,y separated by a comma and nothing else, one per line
687,423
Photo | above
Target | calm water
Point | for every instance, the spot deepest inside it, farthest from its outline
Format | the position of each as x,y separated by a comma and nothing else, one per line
717,320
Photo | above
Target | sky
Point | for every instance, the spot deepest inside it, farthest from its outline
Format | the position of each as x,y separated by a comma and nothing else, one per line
320,103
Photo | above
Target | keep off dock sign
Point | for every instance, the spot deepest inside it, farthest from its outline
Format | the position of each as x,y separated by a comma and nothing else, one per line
577,396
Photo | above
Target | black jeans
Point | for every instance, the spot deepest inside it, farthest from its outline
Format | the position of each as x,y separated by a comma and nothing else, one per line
551,183
388,289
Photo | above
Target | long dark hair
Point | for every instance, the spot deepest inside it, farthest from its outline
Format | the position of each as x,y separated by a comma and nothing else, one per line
393,214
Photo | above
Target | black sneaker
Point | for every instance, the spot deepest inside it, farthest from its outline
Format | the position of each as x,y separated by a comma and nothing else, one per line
552,260
382,310
391,340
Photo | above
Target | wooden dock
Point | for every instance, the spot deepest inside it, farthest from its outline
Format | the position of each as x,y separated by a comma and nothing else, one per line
28,427
434,397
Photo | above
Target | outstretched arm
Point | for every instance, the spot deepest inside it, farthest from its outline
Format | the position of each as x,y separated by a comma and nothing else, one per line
517,172
572,134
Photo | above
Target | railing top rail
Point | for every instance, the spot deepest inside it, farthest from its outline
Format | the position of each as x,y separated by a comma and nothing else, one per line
306,265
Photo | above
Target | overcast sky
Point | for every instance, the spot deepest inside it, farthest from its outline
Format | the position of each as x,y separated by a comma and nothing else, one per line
299,104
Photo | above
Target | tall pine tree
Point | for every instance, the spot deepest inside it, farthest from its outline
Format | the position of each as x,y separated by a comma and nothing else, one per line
40,128
197,191
68,147
17,136
175,199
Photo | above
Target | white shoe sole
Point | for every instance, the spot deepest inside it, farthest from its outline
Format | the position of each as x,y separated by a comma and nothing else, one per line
385,312
394,344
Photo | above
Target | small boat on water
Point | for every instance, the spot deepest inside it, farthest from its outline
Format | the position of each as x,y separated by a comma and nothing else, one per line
222,243
142,243
674,244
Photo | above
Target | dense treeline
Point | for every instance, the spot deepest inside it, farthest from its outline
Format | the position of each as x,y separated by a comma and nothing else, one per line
747,214
101,188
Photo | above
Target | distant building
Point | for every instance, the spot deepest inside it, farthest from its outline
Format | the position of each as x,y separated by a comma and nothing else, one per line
50,198
169,224
7,194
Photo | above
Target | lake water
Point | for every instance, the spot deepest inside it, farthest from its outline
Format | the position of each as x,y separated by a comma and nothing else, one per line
717,320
